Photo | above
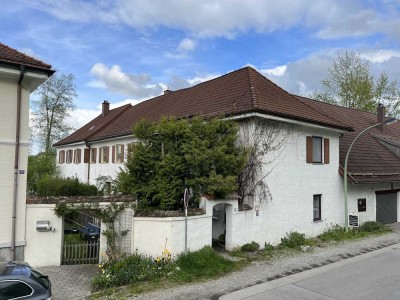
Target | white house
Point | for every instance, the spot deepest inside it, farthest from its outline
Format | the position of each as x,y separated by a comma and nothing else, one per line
20,75
306,181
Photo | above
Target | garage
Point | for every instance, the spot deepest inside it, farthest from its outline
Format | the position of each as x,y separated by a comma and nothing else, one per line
386,208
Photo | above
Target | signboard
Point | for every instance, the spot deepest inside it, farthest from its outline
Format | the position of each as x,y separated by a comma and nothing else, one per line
353,220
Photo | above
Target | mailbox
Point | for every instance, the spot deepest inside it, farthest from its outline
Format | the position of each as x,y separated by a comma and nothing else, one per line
43,226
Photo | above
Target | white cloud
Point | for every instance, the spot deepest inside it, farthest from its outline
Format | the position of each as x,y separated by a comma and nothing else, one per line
227,18
277,71
187,45
202,78
380,56
115,80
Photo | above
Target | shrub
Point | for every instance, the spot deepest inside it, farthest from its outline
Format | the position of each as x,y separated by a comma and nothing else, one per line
50,186
250,247
131,269
203,263
294,240
268,247
373,226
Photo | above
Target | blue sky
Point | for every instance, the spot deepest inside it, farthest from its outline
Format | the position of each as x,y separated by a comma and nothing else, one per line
127,51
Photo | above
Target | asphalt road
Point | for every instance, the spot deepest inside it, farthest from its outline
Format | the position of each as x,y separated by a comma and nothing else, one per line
375,275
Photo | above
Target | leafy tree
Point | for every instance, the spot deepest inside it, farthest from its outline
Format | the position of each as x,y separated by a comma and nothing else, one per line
39,166
174,154
350,84
56,100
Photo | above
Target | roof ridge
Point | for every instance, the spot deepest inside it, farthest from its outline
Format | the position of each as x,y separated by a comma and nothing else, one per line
26,56
109,121
252,87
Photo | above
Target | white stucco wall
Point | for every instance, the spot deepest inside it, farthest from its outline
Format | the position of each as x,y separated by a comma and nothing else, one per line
152,235
43,248
8,119
80,170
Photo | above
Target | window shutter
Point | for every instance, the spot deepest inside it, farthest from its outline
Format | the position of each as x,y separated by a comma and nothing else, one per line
113,154
122,153
100,152
79,156
86,155
309,149
326,151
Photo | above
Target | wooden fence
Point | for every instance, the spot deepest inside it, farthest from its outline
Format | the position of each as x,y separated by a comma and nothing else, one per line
81,253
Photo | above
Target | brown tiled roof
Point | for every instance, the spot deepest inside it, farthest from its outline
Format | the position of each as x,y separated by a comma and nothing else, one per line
369,160
239,92
94,127
11,56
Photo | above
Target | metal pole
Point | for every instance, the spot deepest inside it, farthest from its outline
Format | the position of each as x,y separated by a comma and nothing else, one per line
346,207
185,203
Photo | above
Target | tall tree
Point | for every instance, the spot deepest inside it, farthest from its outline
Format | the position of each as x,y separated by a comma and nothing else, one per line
51,110
350,84
174,154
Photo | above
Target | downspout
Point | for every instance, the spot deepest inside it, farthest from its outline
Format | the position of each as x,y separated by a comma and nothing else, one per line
16,161
88,172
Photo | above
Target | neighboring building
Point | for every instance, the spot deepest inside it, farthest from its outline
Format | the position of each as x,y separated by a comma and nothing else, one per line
306,183
20,75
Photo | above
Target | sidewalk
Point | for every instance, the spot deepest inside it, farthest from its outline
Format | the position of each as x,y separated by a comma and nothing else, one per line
264,271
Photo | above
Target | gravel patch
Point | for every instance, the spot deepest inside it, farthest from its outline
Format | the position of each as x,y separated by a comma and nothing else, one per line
262,271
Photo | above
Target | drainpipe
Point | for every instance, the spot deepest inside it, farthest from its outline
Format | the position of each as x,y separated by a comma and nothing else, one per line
88,172
16,161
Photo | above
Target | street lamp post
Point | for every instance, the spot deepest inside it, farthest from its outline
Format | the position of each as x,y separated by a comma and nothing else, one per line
346,208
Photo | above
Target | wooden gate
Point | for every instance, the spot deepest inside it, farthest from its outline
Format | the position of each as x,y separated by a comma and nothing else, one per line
81,253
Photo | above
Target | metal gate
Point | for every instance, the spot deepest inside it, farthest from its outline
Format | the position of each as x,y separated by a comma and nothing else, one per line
386,208
81,253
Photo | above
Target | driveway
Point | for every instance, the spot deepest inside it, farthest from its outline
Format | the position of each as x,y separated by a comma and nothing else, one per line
70,282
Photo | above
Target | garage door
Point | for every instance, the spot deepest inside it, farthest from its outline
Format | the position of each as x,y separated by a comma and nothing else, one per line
386,208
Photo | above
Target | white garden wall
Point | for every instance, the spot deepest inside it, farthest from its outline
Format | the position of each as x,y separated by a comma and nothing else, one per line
152,235
43,248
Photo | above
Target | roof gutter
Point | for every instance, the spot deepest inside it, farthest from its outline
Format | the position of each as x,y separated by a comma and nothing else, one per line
16,161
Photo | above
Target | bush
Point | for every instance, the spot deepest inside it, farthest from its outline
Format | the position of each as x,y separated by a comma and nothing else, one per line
131,269
50,186
201,264
250,247
294,240
373,226
268,247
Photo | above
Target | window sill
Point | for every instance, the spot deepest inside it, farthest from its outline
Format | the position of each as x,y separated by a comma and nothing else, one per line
318,221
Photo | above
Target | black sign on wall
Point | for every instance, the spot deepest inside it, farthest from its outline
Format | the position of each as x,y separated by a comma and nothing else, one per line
362,204
353,220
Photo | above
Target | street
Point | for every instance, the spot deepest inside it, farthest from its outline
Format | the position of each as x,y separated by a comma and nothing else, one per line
375,275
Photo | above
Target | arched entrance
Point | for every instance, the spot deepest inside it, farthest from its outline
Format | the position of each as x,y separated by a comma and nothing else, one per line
221,225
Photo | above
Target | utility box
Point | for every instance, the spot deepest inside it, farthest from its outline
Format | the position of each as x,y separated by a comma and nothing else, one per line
43,226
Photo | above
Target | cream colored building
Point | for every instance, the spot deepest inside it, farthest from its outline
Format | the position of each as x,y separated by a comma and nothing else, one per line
20,75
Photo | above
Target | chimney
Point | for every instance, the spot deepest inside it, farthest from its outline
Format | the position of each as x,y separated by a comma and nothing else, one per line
167,92
105,107
381,112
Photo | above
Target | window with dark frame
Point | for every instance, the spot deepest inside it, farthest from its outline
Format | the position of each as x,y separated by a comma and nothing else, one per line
362,204
317,207
317,149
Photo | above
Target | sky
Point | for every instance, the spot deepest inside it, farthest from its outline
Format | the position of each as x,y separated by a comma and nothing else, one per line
125,51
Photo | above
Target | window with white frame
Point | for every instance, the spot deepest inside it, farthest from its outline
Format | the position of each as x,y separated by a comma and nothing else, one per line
317,207
118,152
93,154
61,157
70,155
317,151
104,155
77,156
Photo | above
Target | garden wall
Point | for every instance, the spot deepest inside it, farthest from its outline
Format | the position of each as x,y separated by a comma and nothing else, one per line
151,235
43,248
